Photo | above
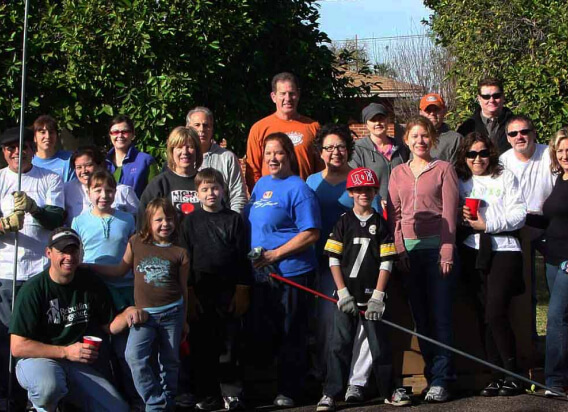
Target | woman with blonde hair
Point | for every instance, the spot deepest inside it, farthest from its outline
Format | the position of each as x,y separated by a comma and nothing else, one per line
176,183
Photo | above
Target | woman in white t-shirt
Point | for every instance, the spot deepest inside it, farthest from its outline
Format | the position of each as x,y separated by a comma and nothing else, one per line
491,252
84,162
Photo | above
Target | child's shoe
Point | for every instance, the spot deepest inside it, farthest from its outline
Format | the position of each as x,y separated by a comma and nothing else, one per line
326,404
233,403
354,394
399,398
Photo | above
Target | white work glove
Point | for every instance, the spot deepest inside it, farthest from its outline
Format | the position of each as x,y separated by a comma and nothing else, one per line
375,306
346,302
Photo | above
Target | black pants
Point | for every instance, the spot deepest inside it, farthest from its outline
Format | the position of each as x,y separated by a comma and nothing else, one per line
341,349
214,357
493,291
277,326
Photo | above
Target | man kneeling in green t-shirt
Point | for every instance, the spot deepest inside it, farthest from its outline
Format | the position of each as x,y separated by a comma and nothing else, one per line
53,312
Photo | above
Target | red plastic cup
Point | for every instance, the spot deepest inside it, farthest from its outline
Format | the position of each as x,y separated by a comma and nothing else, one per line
93,341
473,205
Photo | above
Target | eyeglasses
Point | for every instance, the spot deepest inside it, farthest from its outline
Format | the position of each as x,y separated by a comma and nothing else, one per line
472,154
514,133
125,132
489,96
332,147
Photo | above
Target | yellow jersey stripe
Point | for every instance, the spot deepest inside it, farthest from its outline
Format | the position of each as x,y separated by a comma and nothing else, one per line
334,246
387,249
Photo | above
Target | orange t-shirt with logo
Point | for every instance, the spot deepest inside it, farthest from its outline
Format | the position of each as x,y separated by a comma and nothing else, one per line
301,131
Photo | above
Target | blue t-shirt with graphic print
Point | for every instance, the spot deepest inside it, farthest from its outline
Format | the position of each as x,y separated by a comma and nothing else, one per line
278,210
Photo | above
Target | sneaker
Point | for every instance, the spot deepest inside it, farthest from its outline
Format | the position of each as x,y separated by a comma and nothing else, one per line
492,389
186,400
556,394
510,388
354,394
210,403
284,401
233,403
399,398
437,394
326,403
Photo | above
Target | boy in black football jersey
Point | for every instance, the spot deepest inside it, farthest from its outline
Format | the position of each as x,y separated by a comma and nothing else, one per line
361,252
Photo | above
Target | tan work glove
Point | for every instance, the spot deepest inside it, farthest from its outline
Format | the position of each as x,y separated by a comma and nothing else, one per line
241,301
24,203
12,223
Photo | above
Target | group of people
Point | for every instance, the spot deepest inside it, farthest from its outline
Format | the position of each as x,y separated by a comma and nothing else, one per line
163,261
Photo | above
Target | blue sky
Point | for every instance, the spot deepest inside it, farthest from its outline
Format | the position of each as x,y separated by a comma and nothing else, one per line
343,19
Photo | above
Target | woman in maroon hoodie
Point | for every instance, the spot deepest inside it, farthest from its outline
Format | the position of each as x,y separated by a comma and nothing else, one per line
423,204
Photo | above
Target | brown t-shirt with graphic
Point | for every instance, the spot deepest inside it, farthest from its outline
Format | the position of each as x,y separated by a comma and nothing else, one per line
157,273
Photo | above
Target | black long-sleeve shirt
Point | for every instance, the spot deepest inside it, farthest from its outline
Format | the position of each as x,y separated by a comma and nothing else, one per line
555,209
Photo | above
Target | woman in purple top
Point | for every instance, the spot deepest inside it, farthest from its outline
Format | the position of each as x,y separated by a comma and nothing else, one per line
128,165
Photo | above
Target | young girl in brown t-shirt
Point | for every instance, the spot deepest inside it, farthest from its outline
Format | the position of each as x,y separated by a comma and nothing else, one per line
160,270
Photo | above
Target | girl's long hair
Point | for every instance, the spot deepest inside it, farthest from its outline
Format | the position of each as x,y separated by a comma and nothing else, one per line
146,234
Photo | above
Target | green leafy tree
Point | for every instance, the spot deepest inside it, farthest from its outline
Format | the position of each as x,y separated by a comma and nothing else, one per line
522,42
92,59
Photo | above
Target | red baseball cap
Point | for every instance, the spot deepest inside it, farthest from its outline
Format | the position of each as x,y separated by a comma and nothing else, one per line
432,99
362,177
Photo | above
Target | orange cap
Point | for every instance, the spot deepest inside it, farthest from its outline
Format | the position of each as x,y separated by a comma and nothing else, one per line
432,99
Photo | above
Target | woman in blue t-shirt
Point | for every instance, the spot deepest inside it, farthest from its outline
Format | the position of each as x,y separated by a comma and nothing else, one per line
284,219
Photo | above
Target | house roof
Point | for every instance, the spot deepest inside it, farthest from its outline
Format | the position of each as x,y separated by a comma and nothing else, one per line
384,86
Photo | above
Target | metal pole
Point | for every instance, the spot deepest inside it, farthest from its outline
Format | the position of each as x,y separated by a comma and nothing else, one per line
20,149
426,338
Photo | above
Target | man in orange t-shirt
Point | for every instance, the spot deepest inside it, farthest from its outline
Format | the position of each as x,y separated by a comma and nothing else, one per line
300,129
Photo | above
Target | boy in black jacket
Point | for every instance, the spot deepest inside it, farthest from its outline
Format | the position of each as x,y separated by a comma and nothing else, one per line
219,282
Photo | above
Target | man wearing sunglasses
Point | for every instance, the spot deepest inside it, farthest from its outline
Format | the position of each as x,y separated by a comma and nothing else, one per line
33,212
530,162
491,116
433,107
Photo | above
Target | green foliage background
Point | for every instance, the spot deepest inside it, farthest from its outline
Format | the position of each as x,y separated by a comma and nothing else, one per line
153,60
524,42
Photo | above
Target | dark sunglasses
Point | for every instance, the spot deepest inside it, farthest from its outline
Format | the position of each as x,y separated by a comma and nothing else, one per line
514,133
472,154
489,96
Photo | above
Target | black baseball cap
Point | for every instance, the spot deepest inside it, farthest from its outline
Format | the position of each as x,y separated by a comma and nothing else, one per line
372,110
62,237
12,135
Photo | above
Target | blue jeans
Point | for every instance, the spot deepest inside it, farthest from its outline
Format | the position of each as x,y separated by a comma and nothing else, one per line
49,381
556,362
431,297
166,327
